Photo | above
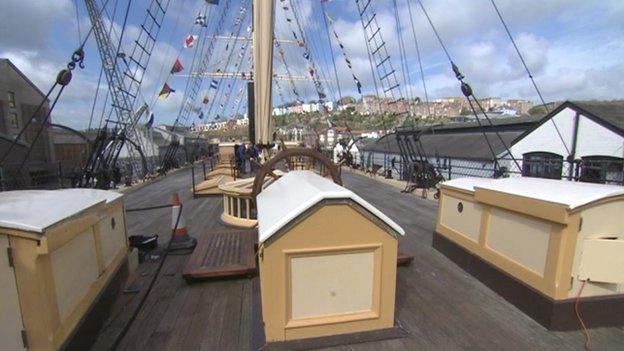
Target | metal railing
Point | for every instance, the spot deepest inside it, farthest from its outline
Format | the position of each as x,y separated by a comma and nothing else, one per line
604,171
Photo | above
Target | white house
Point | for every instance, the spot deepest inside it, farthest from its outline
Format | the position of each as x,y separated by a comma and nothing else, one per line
577,140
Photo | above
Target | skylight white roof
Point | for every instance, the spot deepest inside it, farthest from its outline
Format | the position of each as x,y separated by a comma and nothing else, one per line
466,183
296,192
36,210
568,193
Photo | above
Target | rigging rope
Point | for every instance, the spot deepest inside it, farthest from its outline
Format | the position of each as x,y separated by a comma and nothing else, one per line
63,78
312,41
78,21
280,51
331,49
356,81
526,68
404,68
307,54
468,93
95,97
422,72
164,63
219,92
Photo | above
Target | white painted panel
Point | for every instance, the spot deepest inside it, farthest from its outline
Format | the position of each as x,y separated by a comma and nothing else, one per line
596,140
111,239
331,284
467,222
10,315
75,268
545,137
519,238
602,261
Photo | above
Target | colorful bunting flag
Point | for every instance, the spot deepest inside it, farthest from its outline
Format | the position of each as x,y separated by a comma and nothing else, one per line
200,20
358,84
165,91
344,54
177,67
189,41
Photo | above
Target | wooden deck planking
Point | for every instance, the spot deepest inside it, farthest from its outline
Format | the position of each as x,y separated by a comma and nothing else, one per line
223,254
439,305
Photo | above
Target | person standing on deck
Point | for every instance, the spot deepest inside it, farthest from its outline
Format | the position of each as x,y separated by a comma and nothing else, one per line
241,154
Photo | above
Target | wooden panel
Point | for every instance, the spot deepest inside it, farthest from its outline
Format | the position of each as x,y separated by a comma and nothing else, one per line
521,239
221,254
346,285
10,315
112,235
462,216
75,268
602,261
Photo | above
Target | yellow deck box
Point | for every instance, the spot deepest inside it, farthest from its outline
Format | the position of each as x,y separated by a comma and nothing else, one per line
327,260
62,246
537,242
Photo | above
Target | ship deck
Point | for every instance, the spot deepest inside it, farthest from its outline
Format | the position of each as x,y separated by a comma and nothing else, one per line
439,305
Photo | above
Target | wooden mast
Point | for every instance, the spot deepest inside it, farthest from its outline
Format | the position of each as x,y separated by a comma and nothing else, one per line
263,25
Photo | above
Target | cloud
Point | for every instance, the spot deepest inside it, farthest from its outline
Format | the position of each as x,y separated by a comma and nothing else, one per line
572,47
39,17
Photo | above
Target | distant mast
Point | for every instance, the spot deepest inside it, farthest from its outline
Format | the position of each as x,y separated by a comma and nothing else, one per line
263,25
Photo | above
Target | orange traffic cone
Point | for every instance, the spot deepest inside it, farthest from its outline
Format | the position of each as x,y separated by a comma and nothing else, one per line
180,240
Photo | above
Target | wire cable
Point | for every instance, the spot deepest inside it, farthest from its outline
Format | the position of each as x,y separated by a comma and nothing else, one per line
331,49
95,97
468,93
403,56
526,68
41,127
422,72
17,137
134,315
77,58
435,31
580,319
78,21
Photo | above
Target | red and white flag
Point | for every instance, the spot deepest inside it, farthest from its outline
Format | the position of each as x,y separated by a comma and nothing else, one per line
189,41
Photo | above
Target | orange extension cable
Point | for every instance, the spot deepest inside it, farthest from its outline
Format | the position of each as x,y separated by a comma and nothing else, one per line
580,319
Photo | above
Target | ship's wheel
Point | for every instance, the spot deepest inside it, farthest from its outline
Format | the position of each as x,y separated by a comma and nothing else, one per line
297,159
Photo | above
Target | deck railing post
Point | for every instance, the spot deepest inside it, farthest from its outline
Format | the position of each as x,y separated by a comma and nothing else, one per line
60,174
449,169
193,180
